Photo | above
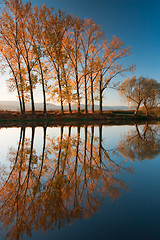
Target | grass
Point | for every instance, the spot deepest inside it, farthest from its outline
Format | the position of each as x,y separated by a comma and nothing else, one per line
118,117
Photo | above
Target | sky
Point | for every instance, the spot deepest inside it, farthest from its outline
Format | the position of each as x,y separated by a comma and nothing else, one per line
135,22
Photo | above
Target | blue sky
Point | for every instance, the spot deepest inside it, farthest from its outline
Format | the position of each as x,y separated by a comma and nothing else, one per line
136,22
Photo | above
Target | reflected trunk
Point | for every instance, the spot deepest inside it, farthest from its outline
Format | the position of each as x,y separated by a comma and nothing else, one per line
60,149
91,150
43,154
137,108
100,145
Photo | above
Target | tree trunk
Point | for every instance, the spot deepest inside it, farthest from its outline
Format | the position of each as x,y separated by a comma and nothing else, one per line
69,107
19,97
31,90
43,89
17,86
60,90
22,84
79,109
85,82
136,111
19,68
22,91
78,95
23,104
92,97
100,94
147,110
67,90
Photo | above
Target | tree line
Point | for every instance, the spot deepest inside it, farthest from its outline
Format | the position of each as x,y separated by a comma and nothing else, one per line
70,58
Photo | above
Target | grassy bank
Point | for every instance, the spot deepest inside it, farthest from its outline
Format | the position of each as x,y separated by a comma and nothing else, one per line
118,117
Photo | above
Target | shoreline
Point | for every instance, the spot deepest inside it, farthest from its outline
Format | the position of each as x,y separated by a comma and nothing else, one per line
55,118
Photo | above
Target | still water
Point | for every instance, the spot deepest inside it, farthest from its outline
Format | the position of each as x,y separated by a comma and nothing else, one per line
91,182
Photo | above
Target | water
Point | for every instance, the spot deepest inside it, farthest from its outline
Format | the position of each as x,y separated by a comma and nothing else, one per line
91,182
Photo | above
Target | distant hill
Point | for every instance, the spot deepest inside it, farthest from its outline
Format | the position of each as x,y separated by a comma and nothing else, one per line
14,106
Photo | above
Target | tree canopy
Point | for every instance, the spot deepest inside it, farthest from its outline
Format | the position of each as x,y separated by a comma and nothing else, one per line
69,57
141,91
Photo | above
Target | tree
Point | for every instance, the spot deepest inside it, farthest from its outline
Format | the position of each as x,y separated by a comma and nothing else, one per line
90,39
152,94
72,47
10,48
110,65
93,74
28,30
17,31
141,91
56,25
70,56
39,54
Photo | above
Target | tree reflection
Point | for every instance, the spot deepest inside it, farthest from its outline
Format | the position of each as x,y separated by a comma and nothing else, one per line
141,143
68,181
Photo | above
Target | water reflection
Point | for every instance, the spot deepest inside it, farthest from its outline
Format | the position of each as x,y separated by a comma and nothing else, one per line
141,143
69,179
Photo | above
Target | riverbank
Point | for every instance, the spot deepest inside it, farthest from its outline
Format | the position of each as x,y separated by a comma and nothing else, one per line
55,118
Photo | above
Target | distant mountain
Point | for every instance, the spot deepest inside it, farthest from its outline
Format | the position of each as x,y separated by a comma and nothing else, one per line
96,107
14,106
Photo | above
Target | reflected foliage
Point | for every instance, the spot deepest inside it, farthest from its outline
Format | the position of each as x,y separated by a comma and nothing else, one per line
141,143
67,181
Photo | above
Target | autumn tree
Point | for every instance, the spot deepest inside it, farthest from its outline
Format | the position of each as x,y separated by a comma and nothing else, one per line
55,26
90,39
67,85
65,54
141,91
10,49
27,31
110,64
72,47
17,32
38,50
94,74
152,94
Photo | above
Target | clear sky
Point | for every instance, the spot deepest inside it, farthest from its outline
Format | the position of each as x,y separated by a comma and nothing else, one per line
136,22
